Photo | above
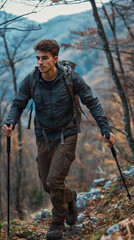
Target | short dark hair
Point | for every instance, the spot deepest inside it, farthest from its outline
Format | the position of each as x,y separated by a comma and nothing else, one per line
48,45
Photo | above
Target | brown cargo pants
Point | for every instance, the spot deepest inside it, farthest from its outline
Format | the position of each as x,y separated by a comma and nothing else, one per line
53,168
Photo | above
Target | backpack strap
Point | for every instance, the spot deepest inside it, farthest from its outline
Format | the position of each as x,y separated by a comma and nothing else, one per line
31,85
30,116
75,99
70,87
32,82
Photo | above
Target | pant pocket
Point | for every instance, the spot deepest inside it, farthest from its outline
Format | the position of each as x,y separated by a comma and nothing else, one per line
67,163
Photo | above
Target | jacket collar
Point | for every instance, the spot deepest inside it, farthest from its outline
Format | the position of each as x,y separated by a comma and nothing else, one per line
60,67
61,72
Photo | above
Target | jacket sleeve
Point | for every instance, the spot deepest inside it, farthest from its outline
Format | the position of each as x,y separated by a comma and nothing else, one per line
19,103
92,103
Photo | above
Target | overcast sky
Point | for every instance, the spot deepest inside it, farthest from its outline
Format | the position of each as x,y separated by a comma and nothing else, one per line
46,13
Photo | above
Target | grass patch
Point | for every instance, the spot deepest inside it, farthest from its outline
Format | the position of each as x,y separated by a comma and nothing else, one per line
27,233
112,190
95,236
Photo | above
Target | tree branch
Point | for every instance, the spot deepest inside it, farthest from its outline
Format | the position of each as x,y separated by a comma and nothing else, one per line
22,30
3,4
16,18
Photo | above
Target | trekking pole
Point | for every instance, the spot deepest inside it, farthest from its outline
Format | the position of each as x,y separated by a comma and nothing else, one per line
107,135
8,183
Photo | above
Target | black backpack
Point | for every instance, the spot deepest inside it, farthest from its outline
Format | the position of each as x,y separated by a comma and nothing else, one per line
68,66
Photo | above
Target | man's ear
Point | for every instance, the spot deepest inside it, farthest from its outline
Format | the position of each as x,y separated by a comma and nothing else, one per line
56,59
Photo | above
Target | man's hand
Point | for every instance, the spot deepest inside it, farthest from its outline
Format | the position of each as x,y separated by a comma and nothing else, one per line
111,140
7,131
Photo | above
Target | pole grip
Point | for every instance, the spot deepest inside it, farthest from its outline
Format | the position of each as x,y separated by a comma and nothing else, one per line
8,142
107,135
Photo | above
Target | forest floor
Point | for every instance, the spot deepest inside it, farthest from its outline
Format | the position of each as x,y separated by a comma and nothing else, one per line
113,207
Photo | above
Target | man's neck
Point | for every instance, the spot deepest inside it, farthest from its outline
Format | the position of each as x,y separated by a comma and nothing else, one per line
50,75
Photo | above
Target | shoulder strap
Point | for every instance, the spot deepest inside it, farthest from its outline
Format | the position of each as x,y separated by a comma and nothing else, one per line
76,105
31,84
70,86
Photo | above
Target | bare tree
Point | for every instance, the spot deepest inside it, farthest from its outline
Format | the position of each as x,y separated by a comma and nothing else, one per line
9,23
11,58
109,48
115,77
113,26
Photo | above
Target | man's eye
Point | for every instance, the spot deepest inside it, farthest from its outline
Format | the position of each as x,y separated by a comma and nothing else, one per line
44,58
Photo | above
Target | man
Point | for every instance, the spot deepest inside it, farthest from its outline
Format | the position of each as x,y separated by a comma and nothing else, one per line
55,128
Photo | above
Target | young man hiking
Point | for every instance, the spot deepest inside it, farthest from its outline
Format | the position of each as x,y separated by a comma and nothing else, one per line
56,128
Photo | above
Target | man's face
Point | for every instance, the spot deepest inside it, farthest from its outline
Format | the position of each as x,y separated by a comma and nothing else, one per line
45,61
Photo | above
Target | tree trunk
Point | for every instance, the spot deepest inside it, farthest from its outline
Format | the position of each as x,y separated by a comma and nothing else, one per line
115,77
113,29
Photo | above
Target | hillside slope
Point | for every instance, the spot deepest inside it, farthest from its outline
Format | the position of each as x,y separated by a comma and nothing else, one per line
108,215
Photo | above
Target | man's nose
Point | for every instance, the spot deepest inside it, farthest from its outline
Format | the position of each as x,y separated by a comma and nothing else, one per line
40,60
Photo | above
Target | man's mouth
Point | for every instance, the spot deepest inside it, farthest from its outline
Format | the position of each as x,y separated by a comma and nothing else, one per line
41,68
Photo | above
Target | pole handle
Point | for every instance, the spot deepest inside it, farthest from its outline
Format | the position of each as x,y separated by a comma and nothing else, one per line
8,142
107,135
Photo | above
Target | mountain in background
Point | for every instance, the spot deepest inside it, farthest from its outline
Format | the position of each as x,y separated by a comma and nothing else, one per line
91,63
88,62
